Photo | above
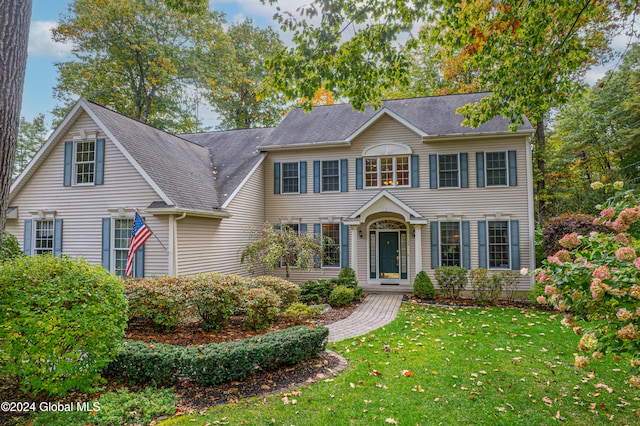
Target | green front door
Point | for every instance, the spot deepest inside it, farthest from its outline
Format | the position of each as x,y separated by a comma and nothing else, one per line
388,255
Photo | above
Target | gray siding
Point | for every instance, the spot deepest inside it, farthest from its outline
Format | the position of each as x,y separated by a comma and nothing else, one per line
82,207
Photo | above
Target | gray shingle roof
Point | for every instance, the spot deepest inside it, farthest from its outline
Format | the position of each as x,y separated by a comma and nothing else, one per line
234,154
181,169
434,116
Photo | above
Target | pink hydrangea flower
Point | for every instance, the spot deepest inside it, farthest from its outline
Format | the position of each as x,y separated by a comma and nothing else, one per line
624,315
563,256
635,291
601,272
549,290
608,213
629,215
581,361
622,238
542,277
619,225
554,259
626,254
570,241
628,332
638,263
541,300
597,289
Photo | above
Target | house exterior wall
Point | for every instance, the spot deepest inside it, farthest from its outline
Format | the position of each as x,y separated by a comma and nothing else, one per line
469,204
214,245
82,207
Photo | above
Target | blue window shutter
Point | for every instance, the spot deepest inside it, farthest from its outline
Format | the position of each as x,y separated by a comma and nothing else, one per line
435,249
480,169
466,244
513,169
344,245
316,176
359,173
344,170
276,178
28,233
433,171
415,171
515,244
303,177
99,178
57,237
317,233
106,243
482,243
139,262
464,170
68,163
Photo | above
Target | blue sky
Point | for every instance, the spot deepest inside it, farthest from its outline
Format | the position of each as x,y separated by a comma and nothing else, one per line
41,72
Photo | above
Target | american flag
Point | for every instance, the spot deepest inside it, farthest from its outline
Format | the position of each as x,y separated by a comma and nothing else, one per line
139,236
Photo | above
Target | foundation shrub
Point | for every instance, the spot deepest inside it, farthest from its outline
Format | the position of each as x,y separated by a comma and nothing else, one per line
423,287
162,300
451,280
316,291
261,308
341,296
299,312
62,320
215,298
10,247
288,292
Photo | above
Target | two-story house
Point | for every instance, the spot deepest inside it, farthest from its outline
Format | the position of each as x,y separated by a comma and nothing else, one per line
400,189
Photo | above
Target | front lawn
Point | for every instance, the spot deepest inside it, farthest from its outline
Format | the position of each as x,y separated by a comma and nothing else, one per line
452,366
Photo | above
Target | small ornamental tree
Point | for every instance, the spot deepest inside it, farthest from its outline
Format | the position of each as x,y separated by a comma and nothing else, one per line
282,245
597,278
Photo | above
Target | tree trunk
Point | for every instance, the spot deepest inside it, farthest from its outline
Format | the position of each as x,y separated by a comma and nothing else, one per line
15,16
540,187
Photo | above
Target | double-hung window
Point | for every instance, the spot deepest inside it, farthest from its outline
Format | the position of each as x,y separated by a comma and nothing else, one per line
450,247
290,178
43,236
84,162
120,246
498,244
448,171
496,164
332,244
330,176
387,171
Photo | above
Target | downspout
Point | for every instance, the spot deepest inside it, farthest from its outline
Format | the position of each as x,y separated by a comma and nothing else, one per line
173,244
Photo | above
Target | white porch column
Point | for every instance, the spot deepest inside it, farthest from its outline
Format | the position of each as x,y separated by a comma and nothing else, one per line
354,247
418,246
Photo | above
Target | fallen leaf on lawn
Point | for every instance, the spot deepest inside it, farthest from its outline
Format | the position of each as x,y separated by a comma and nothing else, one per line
391,421
602,385
407,373
375,373
285,400
353,385
502,409
547,401
558,416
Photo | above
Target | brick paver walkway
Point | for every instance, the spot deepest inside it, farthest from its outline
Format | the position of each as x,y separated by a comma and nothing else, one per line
376,310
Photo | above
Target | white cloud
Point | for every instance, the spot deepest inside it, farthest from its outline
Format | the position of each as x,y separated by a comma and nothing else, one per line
41,43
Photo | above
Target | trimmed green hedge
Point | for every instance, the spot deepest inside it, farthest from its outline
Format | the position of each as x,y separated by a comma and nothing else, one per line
140,362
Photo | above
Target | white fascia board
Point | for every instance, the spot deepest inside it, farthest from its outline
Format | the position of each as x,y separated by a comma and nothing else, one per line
244,181
128,156
196,213
483,135
327,144
44,150
392,198
382,112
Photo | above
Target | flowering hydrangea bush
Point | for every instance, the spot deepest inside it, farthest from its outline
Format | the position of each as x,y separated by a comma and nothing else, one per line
597,278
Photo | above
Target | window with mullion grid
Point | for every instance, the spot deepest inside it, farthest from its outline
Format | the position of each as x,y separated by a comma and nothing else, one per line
121,237
290,178
84,162
498,239
450,252
387,171
331,248
43,236
331,176
448,171
496,164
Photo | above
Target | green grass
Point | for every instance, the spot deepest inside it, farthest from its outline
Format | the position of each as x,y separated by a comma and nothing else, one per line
452,366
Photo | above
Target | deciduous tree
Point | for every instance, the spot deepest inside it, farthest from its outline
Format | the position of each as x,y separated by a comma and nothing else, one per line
31,136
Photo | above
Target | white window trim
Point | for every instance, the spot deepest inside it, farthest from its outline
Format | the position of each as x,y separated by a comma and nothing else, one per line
338,265
34,227
499,219
282,191
339,177
112,237
458,169
75,163
379,171
459,222
486,174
